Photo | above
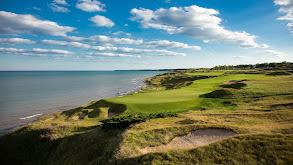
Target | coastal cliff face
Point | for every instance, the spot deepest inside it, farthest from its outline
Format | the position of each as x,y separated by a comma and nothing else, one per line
221,117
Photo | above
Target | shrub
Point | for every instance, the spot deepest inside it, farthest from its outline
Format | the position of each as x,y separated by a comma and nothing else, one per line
124,121
221,93
278,73
237,85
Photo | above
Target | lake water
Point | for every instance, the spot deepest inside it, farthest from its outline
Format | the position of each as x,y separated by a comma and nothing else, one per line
24,96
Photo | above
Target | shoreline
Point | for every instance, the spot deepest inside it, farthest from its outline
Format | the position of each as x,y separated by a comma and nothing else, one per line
38,116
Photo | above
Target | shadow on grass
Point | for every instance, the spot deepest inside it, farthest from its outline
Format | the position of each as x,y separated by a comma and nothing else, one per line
93,146
115,108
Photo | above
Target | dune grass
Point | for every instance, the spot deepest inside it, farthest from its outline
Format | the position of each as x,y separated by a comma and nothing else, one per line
259,111
248,149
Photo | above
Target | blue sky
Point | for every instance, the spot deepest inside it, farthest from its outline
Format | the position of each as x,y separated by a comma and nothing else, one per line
143,34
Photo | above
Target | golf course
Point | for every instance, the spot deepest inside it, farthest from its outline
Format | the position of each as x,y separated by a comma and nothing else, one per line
195,116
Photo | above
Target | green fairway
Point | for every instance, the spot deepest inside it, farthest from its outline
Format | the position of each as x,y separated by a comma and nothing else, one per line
216,73
177,100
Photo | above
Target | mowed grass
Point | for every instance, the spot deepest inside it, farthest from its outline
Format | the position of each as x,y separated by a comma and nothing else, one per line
177,100
205,73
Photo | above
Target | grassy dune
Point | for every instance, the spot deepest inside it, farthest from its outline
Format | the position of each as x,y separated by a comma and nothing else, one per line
260,112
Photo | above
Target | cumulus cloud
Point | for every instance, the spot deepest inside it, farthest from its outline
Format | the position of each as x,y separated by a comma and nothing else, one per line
90,5
12,23
134,50
102,21
106,40
113,55
64,43
36,8
57,8
274,53
75,44
168,44
62,2
35,51
102,39
193,21
286,7
121,32
15,41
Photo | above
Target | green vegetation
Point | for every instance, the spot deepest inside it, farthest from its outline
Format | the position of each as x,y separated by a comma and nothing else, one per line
177,100
124,121
255,103
267,66
249,149
174,80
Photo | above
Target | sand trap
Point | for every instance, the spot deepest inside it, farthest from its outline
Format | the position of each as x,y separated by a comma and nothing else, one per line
194,139
80,117
230,82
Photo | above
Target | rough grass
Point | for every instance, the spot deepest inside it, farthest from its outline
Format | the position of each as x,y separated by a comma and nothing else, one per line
161,131
260,112
248,149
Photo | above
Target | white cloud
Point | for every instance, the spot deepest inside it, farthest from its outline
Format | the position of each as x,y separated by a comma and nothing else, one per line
168,44
57,8
62,2
102,21
102,39
121,32
286,7
12,23
68,44
134,51
118,33
90,5
241,57
34,51
193,21
274,53
36,8
113,55
105,40
126,24
76,44
14,41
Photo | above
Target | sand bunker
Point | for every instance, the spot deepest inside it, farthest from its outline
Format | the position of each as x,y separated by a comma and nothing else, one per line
230,82
194,139
80,117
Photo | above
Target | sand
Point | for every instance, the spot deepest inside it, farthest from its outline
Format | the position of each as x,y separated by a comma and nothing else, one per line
193,139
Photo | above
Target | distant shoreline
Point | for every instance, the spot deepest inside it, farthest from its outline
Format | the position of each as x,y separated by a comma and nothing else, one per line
37,116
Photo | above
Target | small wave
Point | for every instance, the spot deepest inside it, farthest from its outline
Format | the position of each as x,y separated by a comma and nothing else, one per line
136,88
23,118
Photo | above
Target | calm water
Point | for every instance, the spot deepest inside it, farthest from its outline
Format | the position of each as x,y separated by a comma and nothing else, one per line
23,94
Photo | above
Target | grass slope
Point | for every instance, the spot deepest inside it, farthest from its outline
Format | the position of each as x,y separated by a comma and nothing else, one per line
249,149
260,112
177,100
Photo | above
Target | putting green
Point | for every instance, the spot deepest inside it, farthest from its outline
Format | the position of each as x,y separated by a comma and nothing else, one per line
178,99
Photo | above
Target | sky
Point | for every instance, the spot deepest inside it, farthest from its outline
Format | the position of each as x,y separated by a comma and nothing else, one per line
143,34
